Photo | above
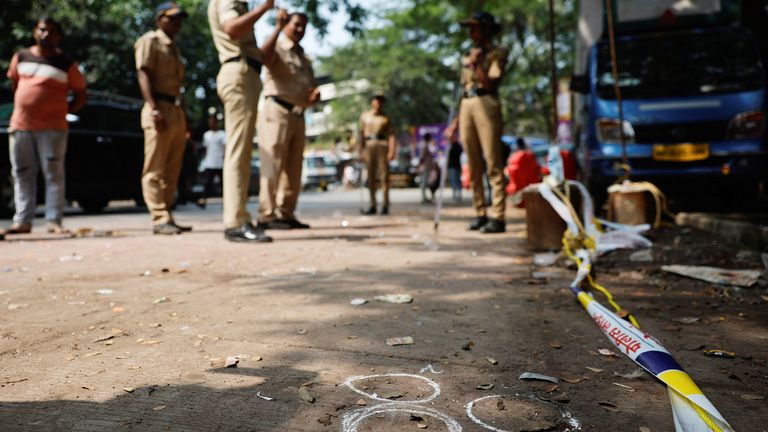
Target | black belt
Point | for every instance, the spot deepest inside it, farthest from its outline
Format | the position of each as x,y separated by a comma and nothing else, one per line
176,100
255,64
376,137
472,92
287,105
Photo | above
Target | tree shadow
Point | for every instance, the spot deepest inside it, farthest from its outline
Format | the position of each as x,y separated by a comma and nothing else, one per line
183,407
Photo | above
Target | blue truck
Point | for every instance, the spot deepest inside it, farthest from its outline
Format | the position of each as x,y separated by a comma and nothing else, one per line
693,91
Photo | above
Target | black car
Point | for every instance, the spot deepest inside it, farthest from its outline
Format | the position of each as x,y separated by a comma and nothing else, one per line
105,153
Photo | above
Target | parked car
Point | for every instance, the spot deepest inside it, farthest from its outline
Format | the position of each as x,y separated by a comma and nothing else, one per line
318,171
105,153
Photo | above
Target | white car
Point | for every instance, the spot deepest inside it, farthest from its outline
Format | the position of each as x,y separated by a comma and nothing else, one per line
319,171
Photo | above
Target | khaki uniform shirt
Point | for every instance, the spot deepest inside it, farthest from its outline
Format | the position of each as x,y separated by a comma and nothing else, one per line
289,75
494,62
156,53
221,11
375,126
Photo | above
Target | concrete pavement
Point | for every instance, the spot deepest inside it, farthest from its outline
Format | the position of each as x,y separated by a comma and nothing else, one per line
130,331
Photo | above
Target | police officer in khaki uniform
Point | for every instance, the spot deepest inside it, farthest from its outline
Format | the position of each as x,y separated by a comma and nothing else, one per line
238,85
161,75
289,88
479,120
377,146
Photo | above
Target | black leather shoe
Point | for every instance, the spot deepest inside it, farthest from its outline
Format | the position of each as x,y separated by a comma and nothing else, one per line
183,228
384,210
166,229
494,226
478,223
287,224
247,233
371,211
276,224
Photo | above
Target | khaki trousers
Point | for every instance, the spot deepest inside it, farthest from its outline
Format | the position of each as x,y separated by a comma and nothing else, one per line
281,151
378,169
239,87
163,156
480,131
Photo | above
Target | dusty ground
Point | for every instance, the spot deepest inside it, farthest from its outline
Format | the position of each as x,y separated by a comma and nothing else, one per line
127,332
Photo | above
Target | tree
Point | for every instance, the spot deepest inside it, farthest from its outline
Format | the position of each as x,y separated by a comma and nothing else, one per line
100,34
415,53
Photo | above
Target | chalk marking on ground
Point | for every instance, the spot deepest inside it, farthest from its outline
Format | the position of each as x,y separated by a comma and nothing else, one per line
572,422
434,385
430,368
351,421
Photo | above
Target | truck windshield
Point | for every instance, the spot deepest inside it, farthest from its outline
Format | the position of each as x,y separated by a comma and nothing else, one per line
679,64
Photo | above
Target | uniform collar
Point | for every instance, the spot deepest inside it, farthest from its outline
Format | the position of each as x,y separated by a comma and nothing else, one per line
288,45
163,37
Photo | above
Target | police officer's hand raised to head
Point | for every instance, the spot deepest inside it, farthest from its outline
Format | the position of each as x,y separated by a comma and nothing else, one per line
282,18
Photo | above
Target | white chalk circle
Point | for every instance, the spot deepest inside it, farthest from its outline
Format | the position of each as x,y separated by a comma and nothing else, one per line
573,423
352,420
435,387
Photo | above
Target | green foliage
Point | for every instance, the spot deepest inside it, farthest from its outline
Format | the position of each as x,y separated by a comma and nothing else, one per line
412,54
100,34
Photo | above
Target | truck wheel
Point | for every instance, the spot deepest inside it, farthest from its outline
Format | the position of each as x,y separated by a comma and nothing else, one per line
6,193
92,205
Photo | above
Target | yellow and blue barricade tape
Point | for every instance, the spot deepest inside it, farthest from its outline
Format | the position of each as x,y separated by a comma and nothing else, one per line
691,410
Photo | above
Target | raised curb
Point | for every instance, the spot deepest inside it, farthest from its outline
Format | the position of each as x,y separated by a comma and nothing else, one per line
744,233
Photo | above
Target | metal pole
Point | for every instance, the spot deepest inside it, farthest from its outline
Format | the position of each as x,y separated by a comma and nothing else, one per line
616,86
553,69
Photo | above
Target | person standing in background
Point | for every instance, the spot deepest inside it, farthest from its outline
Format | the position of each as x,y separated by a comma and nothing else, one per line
290,88
427,150
239,86
214,142
523,170
479,121
160,72
454,169
377,146
41,76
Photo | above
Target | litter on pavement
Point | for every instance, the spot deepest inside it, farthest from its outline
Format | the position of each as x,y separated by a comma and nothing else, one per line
740,278
266,398
394,298
545,259
395,341
533,376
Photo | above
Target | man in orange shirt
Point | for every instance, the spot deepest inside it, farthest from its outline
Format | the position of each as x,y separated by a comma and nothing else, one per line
42,76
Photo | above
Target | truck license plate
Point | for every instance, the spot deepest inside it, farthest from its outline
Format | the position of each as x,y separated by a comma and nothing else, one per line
680,152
